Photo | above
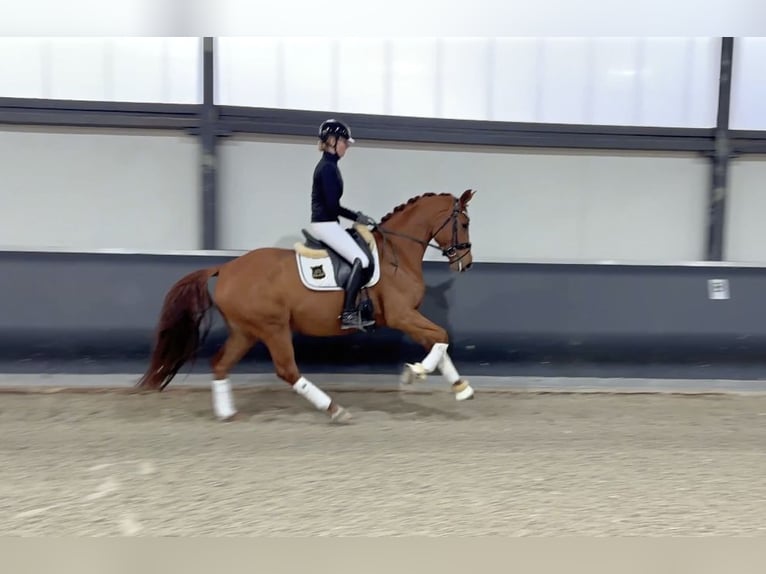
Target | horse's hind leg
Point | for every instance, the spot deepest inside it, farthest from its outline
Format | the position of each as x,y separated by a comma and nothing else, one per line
280,345
236,346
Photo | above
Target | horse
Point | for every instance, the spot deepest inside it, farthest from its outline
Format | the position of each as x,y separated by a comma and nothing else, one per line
269,293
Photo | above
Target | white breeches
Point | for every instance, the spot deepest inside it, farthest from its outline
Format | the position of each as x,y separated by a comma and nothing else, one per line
338,238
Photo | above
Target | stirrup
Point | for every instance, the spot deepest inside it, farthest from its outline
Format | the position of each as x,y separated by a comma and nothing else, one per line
353,320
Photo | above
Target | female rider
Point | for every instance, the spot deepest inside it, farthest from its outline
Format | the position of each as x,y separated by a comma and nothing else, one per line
326,191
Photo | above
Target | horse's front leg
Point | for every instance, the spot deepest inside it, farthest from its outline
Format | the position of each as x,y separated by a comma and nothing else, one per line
435,340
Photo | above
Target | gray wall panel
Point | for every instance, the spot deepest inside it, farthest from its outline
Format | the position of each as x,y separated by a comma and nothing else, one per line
92,305
85,189
745,232
534,205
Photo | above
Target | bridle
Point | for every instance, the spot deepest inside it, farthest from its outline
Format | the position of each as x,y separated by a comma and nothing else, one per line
448,252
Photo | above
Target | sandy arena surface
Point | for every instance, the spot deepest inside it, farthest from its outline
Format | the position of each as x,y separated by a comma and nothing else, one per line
115,463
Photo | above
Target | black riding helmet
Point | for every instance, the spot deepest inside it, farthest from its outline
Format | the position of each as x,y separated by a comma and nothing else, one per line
335,128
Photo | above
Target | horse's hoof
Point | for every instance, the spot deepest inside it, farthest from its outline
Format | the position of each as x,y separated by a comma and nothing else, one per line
463,391
229,419
144,389
412,373
340,416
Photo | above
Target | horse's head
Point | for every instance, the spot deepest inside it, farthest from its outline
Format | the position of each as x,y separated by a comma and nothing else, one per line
451,231
434,220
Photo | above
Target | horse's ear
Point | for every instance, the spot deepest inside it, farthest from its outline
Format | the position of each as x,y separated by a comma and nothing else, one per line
467,196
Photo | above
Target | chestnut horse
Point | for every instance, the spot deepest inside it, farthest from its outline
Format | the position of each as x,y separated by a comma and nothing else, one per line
262,296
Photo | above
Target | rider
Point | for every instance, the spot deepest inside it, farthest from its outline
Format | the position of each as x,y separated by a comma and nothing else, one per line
326,191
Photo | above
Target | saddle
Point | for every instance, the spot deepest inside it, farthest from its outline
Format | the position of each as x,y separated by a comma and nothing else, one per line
313,254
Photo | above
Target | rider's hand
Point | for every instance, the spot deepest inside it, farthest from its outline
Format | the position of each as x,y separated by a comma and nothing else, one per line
364,219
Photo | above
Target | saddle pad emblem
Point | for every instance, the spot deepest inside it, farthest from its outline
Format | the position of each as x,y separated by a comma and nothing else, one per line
317,272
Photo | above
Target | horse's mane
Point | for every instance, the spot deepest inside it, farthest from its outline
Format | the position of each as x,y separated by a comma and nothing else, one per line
409,202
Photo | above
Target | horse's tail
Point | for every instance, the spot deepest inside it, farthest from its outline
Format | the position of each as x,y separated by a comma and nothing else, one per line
178,332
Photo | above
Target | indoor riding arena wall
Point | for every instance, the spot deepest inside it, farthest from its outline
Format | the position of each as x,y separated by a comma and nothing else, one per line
590,226
549,292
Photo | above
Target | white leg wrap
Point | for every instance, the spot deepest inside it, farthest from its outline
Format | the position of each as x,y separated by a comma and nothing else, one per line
418,371
314,394
449,372
223,401
434,356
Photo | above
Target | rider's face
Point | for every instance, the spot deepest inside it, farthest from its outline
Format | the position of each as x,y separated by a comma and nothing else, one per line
341,146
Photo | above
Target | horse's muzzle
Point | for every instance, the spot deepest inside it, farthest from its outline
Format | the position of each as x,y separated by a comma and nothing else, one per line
460,266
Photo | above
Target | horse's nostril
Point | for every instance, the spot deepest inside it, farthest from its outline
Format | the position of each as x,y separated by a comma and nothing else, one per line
468,266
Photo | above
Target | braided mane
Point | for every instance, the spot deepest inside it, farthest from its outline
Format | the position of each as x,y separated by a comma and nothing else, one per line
409,202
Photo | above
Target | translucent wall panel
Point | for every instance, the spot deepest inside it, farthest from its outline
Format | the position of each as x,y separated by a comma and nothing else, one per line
22,74
362,76
515,88
182,69
748,85
703,79
613,81
413,77
166,70
248,72
615,76
465,87
311,80
664,95
564,77
625,81
78,69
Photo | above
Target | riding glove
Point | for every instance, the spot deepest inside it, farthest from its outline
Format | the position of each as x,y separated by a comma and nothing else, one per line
364,219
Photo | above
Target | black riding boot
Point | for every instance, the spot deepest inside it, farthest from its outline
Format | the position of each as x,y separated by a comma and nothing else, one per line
351,317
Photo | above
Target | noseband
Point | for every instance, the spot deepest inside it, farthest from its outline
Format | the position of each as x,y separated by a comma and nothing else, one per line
448,252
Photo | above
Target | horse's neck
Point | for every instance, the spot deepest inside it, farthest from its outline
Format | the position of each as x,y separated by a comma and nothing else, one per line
402,247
